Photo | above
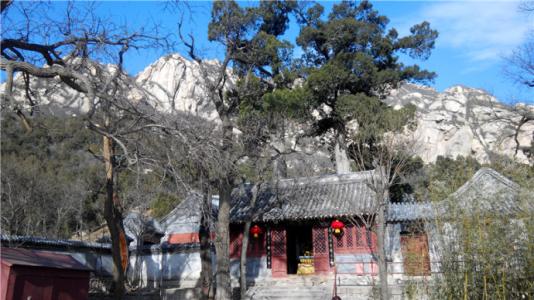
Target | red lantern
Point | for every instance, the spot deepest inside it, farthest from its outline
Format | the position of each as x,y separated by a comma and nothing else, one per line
337,226
256,231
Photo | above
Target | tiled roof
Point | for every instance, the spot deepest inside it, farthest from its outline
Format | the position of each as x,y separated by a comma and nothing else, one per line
411,211
486,192
32,242
188,211
18,240
306,198
137,226
186,217
36,258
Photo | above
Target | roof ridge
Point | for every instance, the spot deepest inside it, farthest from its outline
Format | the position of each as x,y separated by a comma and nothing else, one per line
48,241
478,174
497,175
190,197
328,178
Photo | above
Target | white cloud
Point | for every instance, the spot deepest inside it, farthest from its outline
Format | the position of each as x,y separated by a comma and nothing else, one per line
483,31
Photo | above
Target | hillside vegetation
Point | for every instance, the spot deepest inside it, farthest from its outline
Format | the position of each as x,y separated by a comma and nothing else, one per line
53,181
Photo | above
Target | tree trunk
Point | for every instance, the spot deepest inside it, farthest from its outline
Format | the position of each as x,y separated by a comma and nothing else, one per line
280,164
340,155
381,253
113,216
244,247
223,290
206,272
222,243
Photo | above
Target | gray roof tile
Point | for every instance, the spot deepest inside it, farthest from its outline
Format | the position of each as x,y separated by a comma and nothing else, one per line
304,198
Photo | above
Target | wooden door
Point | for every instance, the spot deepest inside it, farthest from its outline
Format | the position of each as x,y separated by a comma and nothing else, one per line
278,252
320,250
29,287
415,254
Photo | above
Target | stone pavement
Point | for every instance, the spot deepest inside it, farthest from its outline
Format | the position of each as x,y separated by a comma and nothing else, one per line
314,288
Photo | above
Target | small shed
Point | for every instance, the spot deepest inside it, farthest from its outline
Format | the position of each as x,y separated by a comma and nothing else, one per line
32,274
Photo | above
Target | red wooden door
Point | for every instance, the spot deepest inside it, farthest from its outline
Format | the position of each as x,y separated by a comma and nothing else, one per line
415,252
278,253
32,288
320,250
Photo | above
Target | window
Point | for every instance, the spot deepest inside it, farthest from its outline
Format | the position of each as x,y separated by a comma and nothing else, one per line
355,239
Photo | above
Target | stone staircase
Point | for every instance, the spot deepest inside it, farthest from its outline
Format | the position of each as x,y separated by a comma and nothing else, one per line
316,287
292,287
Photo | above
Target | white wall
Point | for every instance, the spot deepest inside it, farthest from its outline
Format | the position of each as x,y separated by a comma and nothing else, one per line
165,269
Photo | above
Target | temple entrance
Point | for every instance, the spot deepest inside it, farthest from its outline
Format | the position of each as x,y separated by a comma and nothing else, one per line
299,241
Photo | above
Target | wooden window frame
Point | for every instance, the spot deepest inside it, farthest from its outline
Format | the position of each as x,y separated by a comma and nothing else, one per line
356,234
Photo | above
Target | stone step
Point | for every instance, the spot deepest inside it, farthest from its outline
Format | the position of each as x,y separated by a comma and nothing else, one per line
320,296
316,293
304,282
285,297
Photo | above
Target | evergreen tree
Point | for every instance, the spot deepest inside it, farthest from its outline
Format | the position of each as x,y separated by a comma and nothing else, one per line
351,62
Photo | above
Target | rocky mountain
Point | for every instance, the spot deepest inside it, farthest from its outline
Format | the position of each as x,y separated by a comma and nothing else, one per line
51,96
177,84
465,121
459,121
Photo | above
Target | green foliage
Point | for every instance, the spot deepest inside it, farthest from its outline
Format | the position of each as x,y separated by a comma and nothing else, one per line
410,181
446,175
275,15
438,180
374,117
251,36
51,184
164,204
521,174
230,22
249,172
283,103
263,62
350,62
486,257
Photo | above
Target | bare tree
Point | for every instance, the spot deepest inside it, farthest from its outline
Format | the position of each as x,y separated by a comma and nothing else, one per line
261,166
520,64
519,68
388,162
527,6
516,121
69,49
216,84
189,154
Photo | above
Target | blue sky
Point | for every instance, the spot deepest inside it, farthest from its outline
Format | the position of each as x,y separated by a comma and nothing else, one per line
474,36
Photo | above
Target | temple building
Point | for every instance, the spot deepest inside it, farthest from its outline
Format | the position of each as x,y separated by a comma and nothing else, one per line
300,227
294,220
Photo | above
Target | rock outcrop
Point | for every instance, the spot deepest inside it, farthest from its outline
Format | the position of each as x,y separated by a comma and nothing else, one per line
178,84
465,121
459,121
